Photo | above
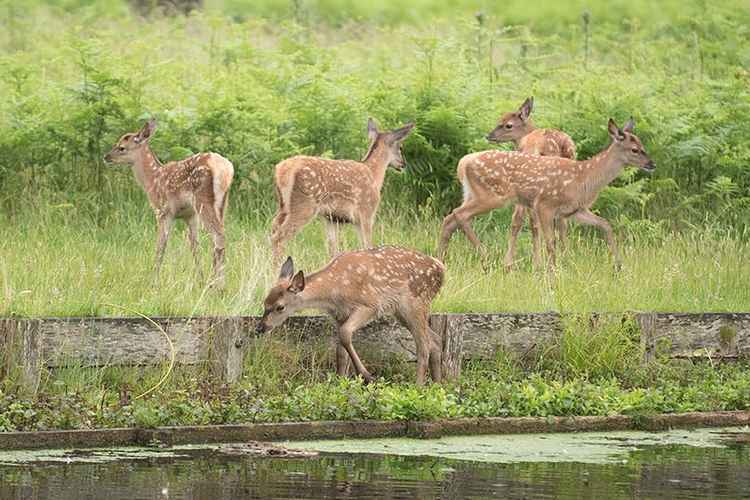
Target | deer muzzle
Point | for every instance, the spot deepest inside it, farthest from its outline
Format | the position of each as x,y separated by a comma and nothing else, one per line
261,327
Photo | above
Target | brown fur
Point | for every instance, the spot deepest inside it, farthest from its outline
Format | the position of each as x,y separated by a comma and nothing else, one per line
339,191
193,189
518,128
553,187
357,287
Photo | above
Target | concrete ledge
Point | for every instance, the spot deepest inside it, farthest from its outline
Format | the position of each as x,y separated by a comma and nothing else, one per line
300,431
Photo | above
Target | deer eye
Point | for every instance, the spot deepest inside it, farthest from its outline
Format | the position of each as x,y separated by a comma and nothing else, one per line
279,308
509,126
634,150
121,148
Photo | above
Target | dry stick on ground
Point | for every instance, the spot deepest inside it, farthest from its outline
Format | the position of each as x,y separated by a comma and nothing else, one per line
552,187
517,127
357,287
195,189
340,191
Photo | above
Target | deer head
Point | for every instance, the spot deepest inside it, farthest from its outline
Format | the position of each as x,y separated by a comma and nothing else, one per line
124,151
513,126
628,146
283,300
391,140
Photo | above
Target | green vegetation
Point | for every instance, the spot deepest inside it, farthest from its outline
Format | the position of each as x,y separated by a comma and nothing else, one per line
285,381
259,81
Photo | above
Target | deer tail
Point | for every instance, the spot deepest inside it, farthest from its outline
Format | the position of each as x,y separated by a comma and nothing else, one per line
463,163
223,174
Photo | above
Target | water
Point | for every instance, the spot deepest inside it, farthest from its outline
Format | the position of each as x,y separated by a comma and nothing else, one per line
679,464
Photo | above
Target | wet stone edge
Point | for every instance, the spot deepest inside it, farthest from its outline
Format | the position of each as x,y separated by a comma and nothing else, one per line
301,431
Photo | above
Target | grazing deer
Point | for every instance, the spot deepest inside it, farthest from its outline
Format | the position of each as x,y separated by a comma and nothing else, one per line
340,191
517,127
194,189
356,287
551,186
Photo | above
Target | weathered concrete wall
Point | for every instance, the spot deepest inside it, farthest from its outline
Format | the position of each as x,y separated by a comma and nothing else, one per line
54,342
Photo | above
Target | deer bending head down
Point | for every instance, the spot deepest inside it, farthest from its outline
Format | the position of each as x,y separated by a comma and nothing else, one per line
355,288
551,186
339,191
195,189
517,127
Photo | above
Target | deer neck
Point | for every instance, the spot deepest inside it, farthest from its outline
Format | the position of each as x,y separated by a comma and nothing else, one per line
146,170
518,143
601,170
378,160
318,293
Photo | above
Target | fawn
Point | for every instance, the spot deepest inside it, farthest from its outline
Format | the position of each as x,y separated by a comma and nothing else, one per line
517,127
194,189
356,287
340,191
551,186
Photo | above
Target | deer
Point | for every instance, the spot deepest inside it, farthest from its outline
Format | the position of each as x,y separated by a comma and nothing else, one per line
551,186
339,191
195,189
355,288
517,127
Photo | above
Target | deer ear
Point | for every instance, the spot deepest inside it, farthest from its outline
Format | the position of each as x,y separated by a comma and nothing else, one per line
287,269
526,108
146,132
372,129
400,133
614,131
298,283
629,126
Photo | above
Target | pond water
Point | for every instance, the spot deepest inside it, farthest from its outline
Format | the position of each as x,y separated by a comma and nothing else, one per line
678,464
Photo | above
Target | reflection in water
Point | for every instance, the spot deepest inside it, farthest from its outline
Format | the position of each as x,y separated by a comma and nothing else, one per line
673,471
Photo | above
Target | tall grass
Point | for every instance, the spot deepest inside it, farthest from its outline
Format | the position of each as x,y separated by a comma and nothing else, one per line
57,268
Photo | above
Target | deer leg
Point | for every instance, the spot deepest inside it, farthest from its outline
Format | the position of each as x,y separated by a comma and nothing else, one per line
536,239
561,224
343,362
193,239
589,218
277,244
354,322
428,352
546,220
470,209
364,228
519,213
332,237
165,227
436,354
448,228
214,226
287,227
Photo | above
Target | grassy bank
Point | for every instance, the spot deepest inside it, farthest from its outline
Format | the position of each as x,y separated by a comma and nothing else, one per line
56,267
596,374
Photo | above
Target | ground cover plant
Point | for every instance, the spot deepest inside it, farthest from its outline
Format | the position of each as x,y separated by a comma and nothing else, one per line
259,81
287,381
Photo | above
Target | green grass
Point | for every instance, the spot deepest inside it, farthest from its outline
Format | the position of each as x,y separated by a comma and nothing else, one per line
259,81
59,268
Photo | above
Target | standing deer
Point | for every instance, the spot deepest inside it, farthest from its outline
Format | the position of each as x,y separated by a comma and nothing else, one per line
355,288
193,189
551,186
340,191
517,127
